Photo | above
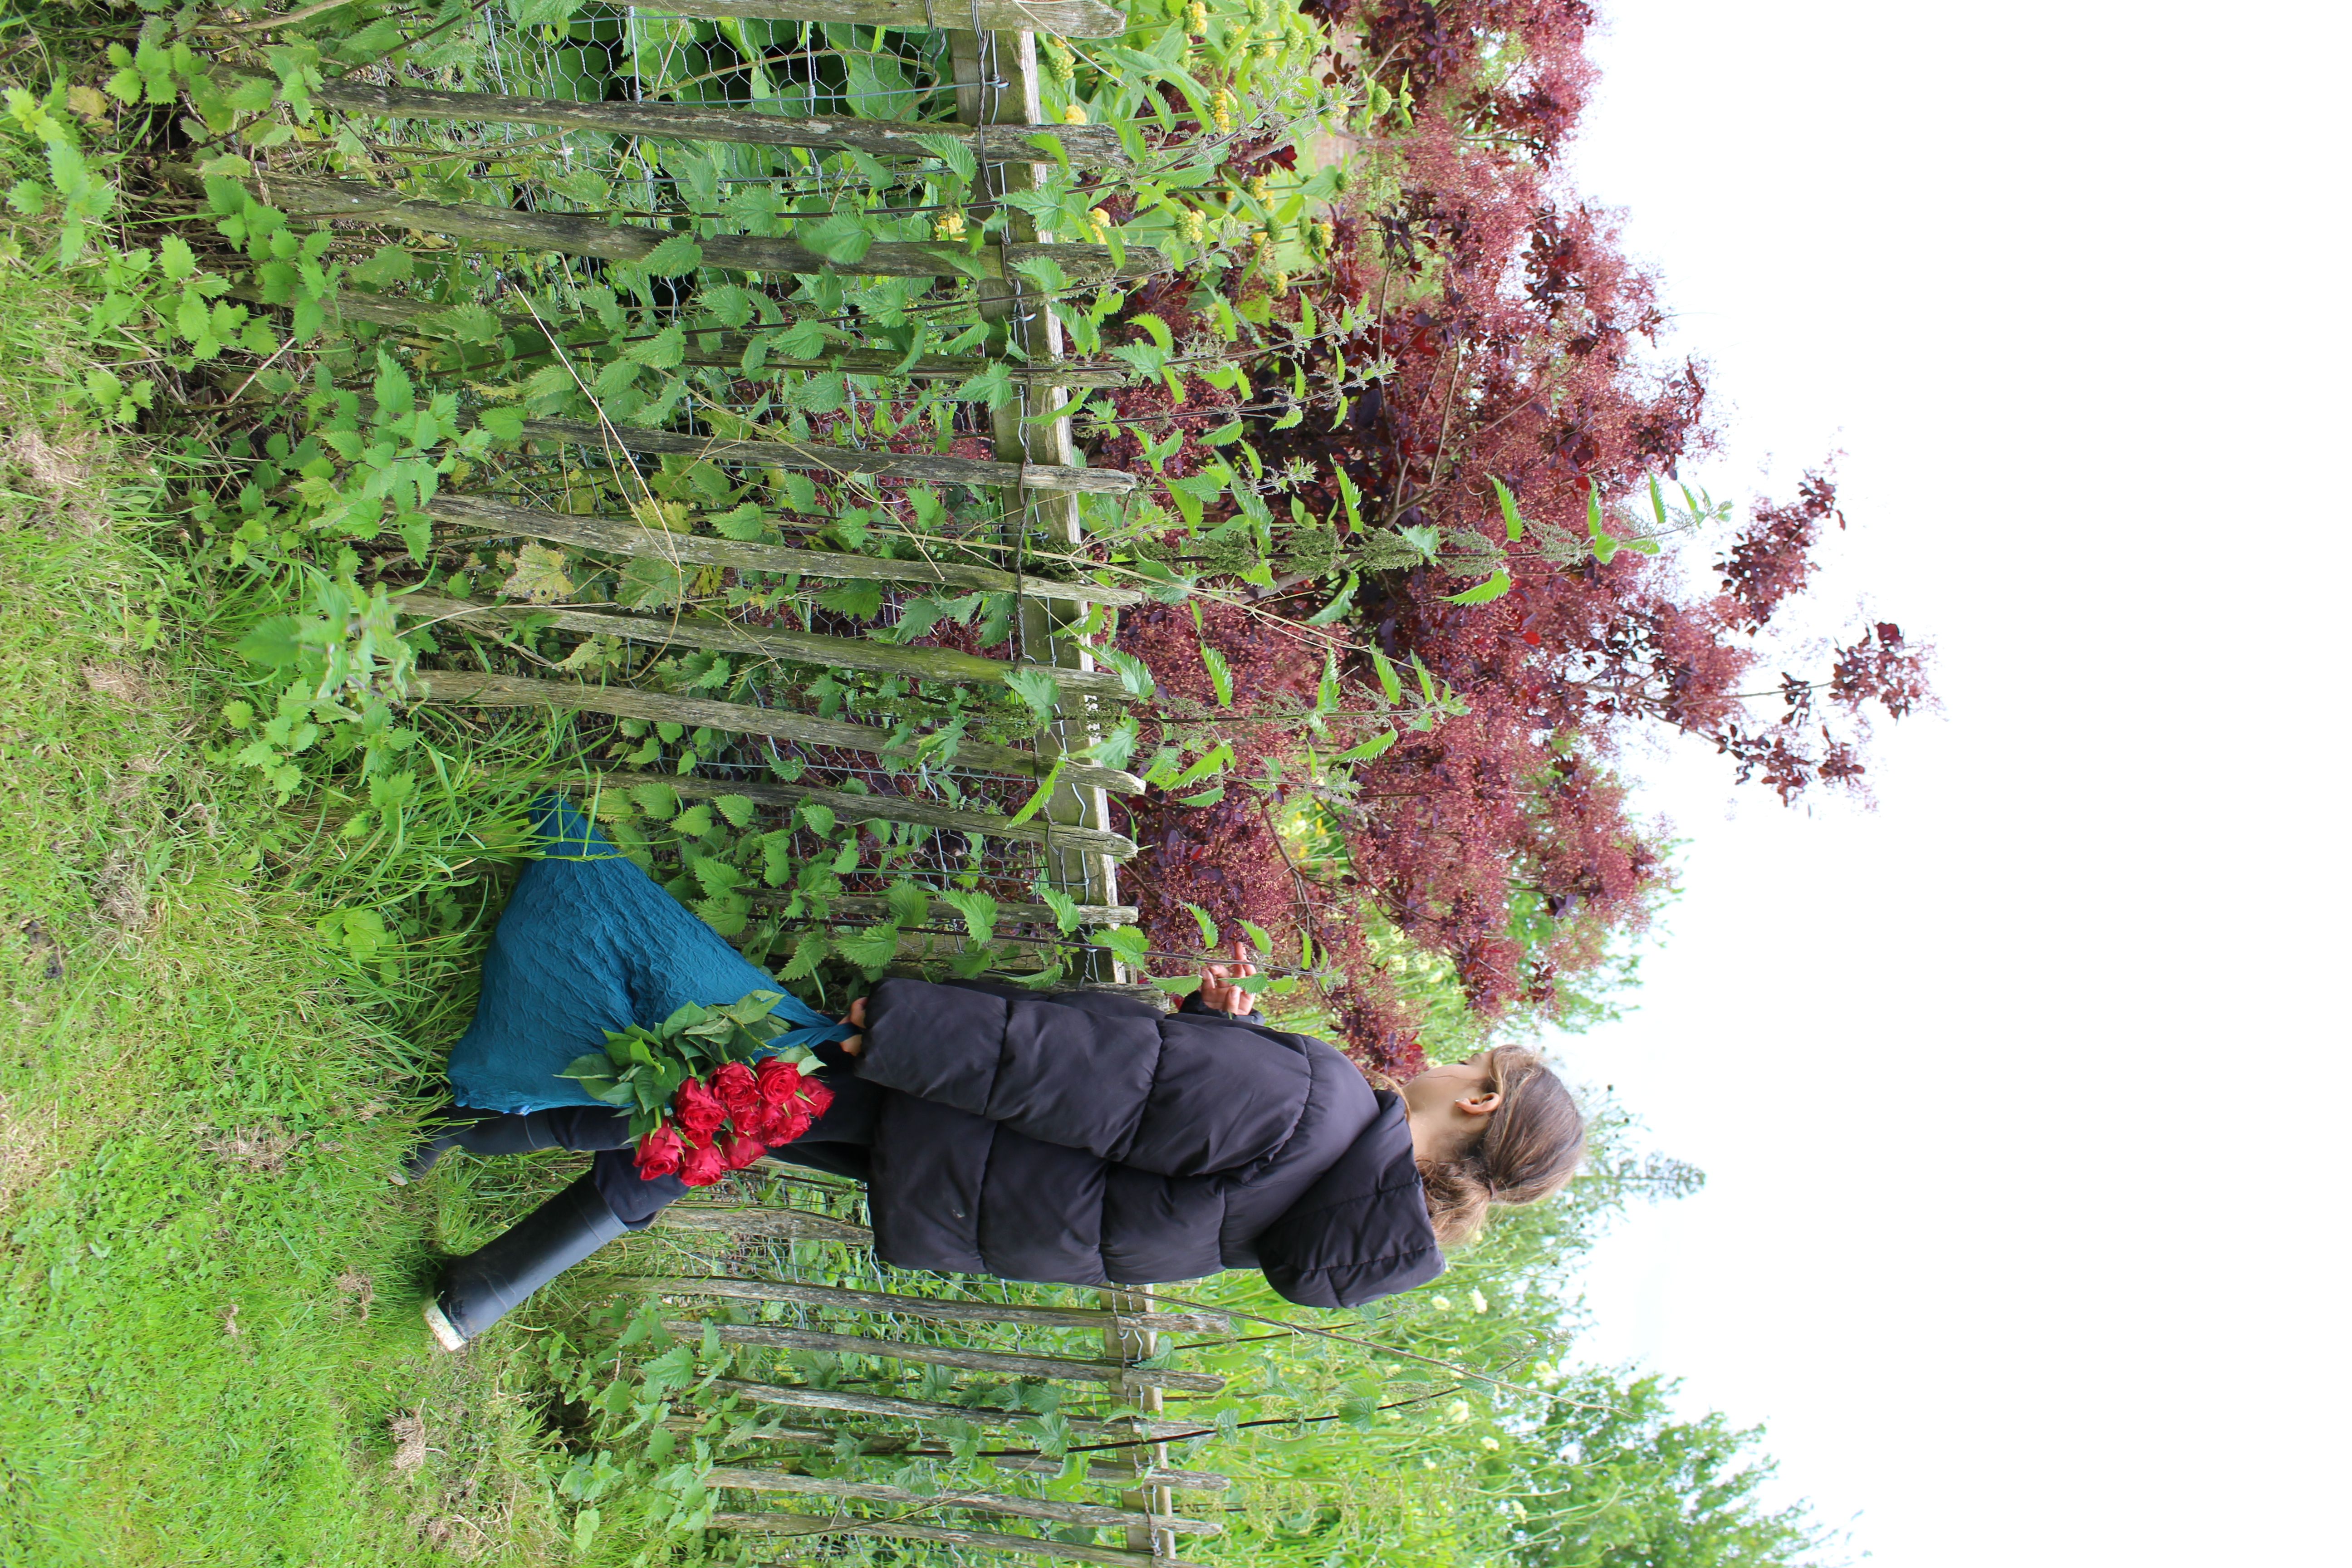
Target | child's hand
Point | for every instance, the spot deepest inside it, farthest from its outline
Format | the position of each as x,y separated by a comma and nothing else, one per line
855,1017
1218,988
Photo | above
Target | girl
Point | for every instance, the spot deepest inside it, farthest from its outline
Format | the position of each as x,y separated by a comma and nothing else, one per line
1082,1138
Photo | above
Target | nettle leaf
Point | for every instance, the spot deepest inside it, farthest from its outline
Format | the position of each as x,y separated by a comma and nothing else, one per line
743,522
650,585
1040,796
1157,328
807,953
1341,603
1115,749
992,387
657,800
874,949
471,323
1065,908
862,599
1493,588
1215,759
1221,675
955,152
1133,673
1512,524
910,904
1367,749
665,350
1208,927
1264,943
1391,687
843,238
1128,941
978,910
737,809
674,256
1043,271
1038,688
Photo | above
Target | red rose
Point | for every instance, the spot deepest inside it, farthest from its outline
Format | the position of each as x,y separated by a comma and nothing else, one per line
658,1152
780,1082
793,1101
740,1150
698,1110
703,1164
737,1088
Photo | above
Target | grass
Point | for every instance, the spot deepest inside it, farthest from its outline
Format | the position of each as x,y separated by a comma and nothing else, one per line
210,1351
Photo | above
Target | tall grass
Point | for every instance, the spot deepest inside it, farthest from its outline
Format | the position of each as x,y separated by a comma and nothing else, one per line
209,1347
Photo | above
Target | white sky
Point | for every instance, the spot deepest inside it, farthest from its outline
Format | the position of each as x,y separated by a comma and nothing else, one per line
2021,1098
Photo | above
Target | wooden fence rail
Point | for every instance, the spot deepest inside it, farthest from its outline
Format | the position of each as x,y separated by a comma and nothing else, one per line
791,648
849,807
939,1310
927,467
744,1479
1118,1373
1084,144
1069,19
847,1524
807,1396
305,197
627,536
473,691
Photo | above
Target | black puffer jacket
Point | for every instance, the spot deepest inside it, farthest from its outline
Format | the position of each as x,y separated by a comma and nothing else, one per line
1089,1139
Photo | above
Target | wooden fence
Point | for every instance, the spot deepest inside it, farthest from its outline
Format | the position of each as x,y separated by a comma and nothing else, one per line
752,1253
784,1421
1038,553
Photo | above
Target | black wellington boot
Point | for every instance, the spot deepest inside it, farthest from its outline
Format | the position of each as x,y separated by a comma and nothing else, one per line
477,1289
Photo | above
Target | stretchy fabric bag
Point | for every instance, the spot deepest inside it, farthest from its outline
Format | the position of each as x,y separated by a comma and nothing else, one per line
588,942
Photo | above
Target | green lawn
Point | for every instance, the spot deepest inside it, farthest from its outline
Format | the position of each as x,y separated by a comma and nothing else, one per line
209,1344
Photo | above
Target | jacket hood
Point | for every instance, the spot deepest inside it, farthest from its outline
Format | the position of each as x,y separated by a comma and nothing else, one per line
1362,1230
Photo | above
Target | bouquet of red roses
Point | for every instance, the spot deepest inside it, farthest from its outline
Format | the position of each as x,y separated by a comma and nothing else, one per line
708,1091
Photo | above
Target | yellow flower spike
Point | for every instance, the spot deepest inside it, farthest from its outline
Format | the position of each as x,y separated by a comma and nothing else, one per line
1099,221
1196,18
1075,115
1269,51
948,227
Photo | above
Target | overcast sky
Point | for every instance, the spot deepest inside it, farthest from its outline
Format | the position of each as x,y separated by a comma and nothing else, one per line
2022,1097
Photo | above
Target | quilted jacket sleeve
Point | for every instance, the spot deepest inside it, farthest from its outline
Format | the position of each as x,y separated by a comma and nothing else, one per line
1171,1095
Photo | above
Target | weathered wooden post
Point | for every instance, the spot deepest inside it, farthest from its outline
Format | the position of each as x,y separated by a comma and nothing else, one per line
997,85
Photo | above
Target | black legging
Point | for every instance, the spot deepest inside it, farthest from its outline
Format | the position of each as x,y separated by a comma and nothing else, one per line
837,1141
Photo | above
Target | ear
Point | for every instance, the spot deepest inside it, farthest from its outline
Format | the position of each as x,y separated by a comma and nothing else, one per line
1482,1104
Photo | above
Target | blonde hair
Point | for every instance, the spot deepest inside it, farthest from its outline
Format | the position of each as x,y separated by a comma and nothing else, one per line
1530,1146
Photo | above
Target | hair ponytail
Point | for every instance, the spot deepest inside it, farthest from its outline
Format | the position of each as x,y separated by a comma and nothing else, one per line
1530,1147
